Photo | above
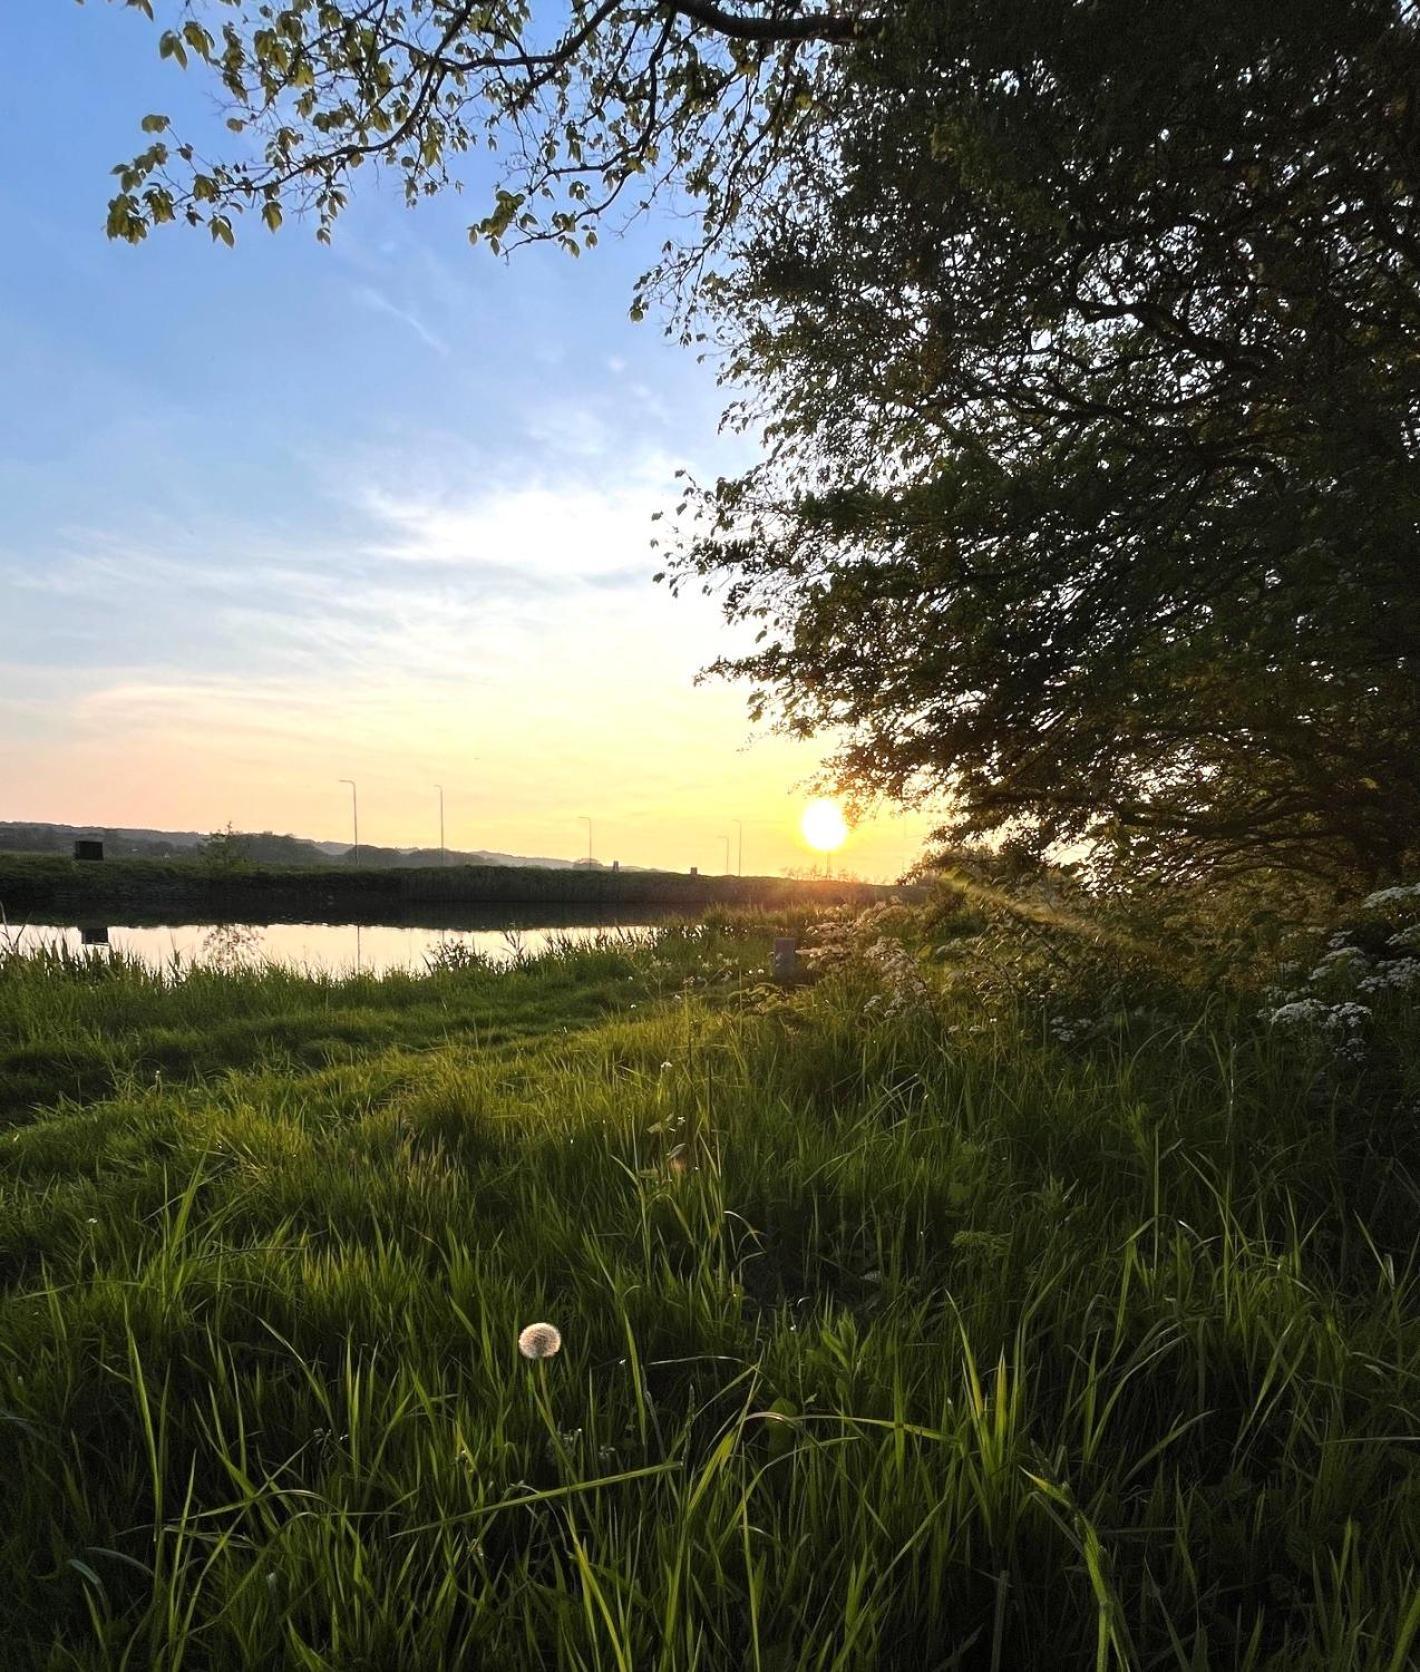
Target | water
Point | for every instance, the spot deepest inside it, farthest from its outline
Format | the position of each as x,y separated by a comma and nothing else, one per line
333,948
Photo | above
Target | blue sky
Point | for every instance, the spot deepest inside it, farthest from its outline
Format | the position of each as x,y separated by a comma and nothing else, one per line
286,513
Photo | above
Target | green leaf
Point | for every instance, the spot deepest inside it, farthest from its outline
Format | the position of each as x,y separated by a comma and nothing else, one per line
124,219
198,39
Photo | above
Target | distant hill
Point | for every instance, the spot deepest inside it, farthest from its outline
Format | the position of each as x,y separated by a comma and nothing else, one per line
260,847
120,844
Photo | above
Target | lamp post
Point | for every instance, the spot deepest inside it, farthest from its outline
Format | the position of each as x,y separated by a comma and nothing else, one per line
443,851
354,814
583,819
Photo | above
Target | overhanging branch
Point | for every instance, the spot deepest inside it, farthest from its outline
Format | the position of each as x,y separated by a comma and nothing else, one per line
830,27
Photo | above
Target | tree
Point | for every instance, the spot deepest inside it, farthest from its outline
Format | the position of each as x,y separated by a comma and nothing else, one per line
1085,336
225,850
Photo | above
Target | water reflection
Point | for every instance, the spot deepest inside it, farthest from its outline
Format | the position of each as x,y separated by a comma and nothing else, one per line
335,948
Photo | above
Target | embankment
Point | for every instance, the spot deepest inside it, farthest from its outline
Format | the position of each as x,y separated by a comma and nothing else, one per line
44,886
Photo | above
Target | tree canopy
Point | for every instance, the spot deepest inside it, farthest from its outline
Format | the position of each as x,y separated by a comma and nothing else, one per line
1082,333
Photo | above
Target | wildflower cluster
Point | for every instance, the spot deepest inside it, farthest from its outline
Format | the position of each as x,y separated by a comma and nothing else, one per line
839,938
867,946
1315,1013
1405,898
903,985
1376,955
831,944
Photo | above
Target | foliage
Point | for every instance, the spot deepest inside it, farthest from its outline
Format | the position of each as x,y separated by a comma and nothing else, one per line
892,1343
1074,960
585,102
1371,956
1083,335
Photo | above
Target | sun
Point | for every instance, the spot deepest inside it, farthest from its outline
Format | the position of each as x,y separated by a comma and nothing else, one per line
824,826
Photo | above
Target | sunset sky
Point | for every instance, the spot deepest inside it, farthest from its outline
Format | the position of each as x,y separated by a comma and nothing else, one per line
286,514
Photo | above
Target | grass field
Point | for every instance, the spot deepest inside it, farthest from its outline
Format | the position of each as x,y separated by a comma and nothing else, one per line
903,1327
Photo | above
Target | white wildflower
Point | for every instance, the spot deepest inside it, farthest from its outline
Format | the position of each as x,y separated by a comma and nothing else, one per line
1341,1016
1384,897
1312,1013
1341,960
1398,976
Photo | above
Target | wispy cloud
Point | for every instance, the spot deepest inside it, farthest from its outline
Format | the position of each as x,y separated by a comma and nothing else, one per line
443,585
369,297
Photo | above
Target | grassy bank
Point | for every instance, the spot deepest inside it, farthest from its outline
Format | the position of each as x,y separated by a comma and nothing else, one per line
32,885
906,1323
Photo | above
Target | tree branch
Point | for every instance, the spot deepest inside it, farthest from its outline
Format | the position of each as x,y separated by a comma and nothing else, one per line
826,26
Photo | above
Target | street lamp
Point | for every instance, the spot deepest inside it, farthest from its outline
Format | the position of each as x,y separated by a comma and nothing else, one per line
583,819
443,851
354,814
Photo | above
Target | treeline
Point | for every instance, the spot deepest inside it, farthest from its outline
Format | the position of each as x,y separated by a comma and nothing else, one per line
238,847
262,847
16,837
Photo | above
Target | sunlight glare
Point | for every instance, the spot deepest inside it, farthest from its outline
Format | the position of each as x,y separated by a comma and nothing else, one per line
824,826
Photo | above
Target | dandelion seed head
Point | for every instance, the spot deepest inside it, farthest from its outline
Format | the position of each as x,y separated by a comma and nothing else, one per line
540,1341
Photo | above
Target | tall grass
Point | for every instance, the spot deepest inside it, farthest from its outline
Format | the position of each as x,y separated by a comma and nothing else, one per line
909,1340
